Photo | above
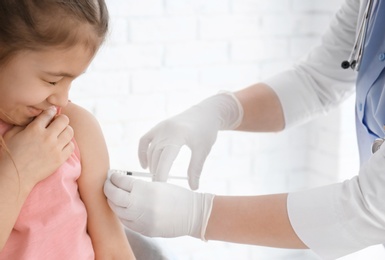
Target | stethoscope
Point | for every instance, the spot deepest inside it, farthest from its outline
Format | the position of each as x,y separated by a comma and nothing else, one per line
377,144
355,57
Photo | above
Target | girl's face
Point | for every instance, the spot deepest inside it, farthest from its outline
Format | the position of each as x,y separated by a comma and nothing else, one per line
32,81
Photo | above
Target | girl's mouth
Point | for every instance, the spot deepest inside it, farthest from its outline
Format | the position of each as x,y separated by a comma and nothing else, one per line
34,111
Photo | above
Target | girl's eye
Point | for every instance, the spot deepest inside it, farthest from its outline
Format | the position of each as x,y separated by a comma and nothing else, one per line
52,83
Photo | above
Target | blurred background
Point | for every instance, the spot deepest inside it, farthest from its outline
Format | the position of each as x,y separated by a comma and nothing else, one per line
163,56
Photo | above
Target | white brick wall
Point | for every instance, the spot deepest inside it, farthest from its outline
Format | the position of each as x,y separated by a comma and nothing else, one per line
163,56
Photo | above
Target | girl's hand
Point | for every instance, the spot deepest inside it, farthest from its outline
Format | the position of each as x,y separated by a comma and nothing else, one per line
38,149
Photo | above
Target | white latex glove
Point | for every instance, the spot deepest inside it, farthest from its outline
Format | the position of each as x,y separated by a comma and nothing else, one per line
197,128
158,209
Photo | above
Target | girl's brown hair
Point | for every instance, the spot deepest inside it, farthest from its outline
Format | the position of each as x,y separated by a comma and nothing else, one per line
38,24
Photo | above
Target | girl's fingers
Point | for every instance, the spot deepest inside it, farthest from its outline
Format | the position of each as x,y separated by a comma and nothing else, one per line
45,118
66,136
59,124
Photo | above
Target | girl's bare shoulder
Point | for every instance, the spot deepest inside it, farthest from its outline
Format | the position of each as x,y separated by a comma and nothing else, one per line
81,120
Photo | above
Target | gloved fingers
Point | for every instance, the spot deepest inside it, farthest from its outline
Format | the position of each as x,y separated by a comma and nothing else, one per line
117,196
124,213
143,147
123,182
165,162
153,156
153,151
198,158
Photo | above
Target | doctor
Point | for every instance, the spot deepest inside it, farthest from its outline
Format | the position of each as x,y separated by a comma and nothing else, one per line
333,220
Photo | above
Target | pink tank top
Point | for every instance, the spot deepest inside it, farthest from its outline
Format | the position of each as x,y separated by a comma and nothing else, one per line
53,221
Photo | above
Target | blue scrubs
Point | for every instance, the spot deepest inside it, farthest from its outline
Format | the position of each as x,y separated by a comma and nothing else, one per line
370,94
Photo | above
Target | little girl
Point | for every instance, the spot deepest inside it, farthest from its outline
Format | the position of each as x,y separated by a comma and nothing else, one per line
52,171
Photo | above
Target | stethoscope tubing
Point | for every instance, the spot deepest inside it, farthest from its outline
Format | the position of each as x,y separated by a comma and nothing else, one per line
357,52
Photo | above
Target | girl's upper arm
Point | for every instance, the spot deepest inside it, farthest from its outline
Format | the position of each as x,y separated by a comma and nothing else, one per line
105,229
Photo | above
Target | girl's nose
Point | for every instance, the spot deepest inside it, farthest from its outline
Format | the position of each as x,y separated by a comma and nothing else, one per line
59,97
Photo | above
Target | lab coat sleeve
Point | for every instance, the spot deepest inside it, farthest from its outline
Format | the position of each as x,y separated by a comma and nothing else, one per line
317,83
343,218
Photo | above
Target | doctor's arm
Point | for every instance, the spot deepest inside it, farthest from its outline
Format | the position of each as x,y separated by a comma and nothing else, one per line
312,87
158,209
333,220
259,220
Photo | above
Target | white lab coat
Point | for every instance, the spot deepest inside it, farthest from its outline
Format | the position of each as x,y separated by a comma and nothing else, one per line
338,219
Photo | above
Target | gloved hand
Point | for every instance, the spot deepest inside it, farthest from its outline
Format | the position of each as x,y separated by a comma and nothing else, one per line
158,209
197,128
